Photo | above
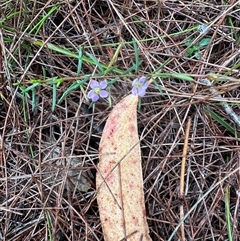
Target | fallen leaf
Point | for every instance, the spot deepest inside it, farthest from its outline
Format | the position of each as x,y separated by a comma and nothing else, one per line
119,179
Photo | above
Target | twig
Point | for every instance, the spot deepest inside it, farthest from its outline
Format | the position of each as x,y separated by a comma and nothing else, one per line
185,149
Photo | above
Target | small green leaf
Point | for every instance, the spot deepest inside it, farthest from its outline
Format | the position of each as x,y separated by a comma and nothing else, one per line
188,41
23,91
59,81
33,81
189,52
16,83
54,80
204,42
197,55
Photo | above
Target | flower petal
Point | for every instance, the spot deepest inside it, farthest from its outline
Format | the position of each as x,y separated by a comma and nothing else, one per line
95,98
91,94
103,93
103,84
135,82
94,84
134,91
142,79
145,85
141,92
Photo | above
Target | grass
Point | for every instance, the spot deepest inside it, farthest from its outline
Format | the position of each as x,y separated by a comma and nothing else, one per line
50,131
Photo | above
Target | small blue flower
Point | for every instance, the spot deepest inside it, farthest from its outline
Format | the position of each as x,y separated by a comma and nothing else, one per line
98,90
203,28
139,86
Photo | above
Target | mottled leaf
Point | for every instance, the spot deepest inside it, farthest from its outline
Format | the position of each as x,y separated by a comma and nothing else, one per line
119,181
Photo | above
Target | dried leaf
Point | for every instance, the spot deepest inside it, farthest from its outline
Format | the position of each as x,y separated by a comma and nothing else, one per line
119,181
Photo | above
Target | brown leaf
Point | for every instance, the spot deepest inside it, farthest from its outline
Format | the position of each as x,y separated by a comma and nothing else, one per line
119,180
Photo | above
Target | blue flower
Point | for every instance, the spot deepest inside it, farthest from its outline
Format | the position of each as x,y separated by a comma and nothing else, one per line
139,86
98,90
203,28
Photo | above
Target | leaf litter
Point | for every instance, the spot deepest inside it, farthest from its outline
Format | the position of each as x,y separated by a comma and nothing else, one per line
161,28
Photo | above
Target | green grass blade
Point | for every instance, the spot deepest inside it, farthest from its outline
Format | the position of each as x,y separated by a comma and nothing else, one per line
131,69
235,66
136,53
74,86
174,75
39,25
22,88
54,96
33,98
160,67
182,76
80,55
54,80
95,61
11,15
221,121
158,86
162,75
85,59
111,82
31,87
69,53
136,20
113,60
